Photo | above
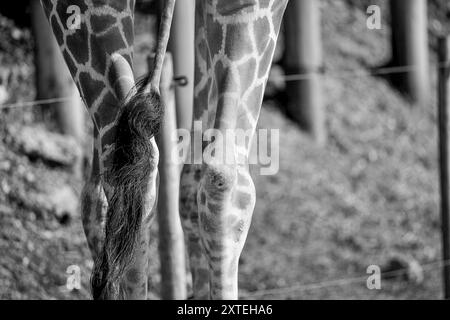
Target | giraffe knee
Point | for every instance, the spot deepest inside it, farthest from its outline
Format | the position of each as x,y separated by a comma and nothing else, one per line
218,180
226,202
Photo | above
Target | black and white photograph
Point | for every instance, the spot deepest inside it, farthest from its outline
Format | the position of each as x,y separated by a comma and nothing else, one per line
251,150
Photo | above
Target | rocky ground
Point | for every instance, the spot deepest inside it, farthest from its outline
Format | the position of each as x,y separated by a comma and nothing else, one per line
370,197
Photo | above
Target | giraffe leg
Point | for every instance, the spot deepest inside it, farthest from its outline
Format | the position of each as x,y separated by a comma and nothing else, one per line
190,178
225,211
134,284
235,42
93,208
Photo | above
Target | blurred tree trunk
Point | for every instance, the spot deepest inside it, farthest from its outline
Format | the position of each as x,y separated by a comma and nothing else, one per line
410,48
303,55
171,239
53,79
181,45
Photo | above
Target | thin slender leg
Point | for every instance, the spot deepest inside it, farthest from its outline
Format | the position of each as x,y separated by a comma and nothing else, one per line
94,207
190,178
225,211
235,42
135,282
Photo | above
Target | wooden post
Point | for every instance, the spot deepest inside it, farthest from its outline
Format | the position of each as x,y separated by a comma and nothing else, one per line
53,79
410,48
443,72
181,45
171,239
303,55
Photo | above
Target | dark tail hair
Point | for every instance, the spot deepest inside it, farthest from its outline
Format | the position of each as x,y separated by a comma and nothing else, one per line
128,176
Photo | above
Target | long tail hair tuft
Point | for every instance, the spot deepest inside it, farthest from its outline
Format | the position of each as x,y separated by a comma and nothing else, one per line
128,177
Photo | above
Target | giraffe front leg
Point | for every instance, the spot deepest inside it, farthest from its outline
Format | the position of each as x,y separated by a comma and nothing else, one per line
93,208
226,200
135,282
190,179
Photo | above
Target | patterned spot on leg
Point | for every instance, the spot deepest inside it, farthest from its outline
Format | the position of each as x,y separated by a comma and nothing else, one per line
133,275
209,224
231,220
101,22
78,43
262,29
226,8
98,56
214,207
242,180
90,88
247,73
108,110
241,199
119,5
47,5
112,41
215,32
238,42
57,30
224,79
202,274
128,29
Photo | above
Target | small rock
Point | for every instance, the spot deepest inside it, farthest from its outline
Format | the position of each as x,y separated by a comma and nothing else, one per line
16,34
5,188
64,204
4,96
403,267
6,210
25,261
53,148
5,165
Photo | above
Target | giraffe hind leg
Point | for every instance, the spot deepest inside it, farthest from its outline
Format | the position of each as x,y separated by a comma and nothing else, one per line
225,211
190,179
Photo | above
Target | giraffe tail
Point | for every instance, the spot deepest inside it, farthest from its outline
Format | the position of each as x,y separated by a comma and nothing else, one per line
129,176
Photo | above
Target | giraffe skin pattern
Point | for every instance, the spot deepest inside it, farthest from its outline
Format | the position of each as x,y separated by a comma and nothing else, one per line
234,46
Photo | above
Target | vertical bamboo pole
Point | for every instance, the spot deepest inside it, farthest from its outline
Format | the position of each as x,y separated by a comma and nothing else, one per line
303,55
443,72
171,240
181,45
410,48
53,79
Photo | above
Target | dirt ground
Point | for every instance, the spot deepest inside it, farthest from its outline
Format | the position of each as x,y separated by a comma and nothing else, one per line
370,197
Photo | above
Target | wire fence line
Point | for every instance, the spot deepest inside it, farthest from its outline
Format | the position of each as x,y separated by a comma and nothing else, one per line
34,103
338,282
286,78
355,72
